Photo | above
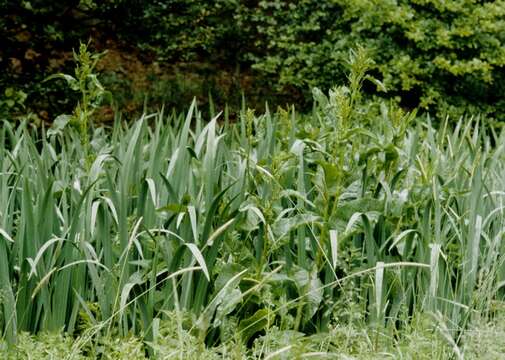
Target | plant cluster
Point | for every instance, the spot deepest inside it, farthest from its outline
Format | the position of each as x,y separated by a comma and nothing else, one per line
283,224
419,341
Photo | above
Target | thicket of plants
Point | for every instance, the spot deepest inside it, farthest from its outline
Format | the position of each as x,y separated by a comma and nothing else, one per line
445,56
276,235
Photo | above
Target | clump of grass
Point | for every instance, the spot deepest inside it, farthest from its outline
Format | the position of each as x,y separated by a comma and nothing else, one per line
44,346
419,340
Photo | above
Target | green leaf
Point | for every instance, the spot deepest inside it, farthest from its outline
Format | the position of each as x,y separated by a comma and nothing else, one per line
199,259
59,124
310,289
5,235
260,320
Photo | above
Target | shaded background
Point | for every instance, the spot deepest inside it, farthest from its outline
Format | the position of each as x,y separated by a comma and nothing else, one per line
445,57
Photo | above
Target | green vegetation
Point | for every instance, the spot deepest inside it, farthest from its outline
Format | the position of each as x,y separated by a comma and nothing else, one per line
357,229
420,342
446,57
86,82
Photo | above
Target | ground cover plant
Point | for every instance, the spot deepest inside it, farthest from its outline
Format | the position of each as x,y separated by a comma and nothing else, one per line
352,230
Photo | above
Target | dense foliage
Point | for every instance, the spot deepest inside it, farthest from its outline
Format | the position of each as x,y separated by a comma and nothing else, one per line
439,55
482,342
256,233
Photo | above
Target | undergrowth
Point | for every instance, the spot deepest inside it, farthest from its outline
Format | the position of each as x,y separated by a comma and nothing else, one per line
351,229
